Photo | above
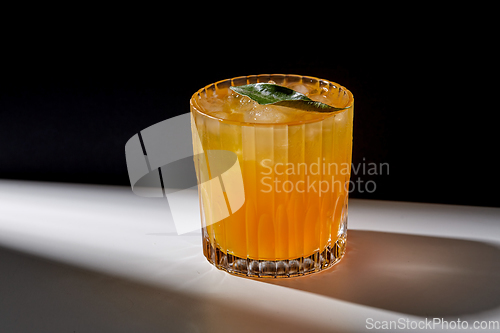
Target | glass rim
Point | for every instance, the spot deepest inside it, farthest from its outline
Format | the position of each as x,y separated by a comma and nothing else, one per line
194,105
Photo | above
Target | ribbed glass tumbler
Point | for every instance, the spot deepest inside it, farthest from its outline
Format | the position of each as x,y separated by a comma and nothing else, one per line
292,216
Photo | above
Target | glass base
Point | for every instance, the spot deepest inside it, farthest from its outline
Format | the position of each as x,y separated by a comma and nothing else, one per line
276,268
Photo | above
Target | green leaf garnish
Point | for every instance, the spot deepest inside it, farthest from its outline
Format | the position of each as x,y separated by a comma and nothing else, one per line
270,93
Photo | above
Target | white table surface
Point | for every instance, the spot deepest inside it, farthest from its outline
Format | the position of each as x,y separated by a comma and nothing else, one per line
86,258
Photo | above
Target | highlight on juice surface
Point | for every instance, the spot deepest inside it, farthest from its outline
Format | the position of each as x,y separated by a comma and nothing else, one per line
292,136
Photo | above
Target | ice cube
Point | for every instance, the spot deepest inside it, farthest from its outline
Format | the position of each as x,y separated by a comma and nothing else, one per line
268,114
320,98
211,104
220,114
301,88
238,103
320,95
245,104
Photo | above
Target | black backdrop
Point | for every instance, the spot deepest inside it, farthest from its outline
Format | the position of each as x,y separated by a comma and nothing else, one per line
68,106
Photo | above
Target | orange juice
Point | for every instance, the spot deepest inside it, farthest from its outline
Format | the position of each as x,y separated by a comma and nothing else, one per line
295,167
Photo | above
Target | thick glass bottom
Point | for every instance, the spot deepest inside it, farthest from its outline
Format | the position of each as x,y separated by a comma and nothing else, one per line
316,262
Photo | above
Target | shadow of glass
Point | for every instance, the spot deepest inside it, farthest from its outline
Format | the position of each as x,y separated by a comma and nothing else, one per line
417,275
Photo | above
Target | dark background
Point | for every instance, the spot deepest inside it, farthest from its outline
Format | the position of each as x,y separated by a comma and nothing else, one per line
69,101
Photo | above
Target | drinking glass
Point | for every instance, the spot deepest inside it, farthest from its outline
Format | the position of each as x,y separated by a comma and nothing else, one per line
293,178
